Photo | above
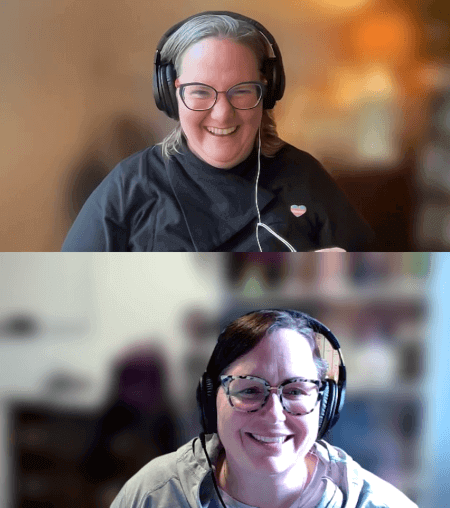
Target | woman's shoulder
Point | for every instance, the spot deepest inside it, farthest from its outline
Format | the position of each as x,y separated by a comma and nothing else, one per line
288,151
150,482
140,174
155,473
291,153
363,488
143,162
378,492
292,162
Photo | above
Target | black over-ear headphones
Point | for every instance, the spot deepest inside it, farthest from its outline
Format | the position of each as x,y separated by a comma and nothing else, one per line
164,74
333,394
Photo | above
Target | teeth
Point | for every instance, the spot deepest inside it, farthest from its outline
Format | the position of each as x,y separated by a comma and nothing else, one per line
221,132
270,439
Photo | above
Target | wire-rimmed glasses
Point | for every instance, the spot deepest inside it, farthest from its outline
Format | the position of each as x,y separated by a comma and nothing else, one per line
201,97
298,396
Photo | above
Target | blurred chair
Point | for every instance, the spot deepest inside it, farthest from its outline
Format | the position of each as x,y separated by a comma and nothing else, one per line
137,424
112,140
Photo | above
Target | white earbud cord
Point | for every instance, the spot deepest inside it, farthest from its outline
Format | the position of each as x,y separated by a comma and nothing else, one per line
257,207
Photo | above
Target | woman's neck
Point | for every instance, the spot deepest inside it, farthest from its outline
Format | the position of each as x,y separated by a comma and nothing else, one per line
265,492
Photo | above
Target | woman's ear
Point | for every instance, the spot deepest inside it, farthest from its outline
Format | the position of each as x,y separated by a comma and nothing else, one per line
177,88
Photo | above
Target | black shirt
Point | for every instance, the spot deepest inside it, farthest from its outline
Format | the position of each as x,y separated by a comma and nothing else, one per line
149,204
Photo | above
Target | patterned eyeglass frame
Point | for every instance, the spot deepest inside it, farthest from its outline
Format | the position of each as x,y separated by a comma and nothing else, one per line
184,85
226,380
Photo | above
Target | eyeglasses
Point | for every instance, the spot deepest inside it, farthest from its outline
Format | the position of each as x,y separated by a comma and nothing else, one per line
201,97
298,396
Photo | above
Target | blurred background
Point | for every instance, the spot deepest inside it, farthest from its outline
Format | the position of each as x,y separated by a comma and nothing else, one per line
100,360
367,94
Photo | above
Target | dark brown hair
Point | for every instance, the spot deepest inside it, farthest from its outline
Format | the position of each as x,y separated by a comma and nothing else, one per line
246,332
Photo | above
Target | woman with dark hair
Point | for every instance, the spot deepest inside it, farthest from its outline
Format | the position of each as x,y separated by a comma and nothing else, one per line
265,401
222,180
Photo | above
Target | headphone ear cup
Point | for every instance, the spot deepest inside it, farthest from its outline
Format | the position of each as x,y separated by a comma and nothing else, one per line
322,411
164,90
157,90
327,408
207,404
171,91
269,72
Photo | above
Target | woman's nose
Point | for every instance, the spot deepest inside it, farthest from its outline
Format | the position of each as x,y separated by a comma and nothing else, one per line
222,107
274,408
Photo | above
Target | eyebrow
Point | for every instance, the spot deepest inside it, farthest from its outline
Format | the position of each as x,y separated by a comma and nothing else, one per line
287,379
239,83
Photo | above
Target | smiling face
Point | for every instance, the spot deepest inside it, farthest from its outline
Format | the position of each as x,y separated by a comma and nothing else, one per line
282,355
220,64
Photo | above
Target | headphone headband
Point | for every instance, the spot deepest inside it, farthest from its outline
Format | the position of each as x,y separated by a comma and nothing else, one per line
333,395
164,74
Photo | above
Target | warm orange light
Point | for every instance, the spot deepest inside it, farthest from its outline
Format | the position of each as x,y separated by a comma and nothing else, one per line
384,37
344,4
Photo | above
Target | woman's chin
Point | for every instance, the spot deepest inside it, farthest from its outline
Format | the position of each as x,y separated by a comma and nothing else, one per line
222,160
223,157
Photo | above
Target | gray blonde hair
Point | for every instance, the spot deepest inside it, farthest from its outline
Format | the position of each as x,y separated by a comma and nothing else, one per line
222,27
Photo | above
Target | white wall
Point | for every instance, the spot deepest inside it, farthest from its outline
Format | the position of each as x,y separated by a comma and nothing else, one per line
148,298
91,308
57,293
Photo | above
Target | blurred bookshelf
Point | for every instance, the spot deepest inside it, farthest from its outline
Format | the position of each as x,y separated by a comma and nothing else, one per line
47,445
67,457
432,224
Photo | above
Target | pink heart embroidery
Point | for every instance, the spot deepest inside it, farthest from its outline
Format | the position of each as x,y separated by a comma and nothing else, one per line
298,210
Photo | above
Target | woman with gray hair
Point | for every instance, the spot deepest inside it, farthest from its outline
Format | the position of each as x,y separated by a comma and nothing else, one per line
222,180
